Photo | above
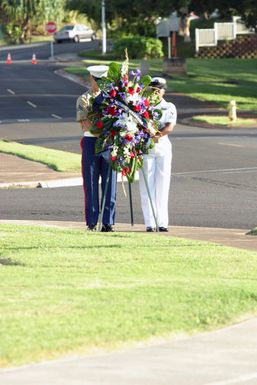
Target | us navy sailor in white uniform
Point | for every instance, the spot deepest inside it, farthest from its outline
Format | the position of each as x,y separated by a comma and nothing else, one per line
95,165
157,165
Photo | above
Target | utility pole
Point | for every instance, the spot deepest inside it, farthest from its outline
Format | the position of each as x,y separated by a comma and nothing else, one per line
103,29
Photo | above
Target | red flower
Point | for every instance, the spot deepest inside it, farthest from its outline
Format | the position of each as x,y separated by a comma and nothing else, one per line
112,93
99,124
129,137
111,110
131,90
138,89
146,103
113,133
113,158
137,108
125,171
146,115
132,155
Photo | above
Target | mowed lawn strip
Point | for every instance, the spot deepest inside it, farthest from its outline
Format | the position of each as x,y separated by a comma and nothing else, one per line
225,121
220,81
213,80
57,160
69,291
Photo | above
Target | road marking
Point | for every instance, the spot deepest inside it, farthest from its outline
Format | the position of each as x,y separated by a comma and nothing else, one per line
23,120
10,91
32,104
230,144
237,380
56,116
225,170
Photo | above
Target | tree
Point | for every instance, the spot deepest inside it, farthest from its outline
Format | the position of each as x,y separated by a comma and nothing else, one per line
132,16
139,17
21,15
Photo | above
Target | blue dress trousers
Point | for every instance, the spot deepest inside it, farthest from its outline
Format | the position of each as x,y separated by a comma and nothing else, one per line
93,166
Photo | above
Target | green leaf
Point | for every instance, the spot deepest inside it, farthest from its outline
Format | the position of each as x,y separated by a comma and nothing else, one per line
114,72
146,80
95,131
99,145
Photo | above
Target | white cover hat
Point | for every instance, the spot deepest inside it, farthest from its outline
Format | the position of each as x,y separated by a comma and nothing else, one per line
158,82
98,71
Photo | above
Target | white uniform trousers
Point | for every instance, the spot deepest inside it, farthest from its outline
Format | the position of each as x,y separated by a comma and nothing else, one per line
157,167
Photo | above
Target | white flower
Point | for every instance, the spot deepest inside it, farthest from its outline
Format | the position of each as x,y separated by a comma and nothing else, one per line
133,98
114,151
151,128
132,125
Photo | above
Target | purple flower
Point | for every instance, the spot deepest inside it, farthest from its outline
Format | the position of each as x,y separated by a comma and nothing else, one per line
136,73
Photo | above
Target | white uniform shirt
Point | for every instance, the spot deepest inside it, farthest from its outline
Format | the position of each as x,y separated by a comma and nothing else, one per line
169,114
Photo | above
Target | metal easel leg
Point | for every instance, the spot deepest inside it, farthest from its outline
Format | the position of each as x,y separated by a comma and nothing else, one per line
131,205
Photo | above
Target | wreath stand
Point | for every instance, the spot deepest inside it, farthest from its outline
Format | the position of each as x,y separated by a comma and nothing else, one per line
130,200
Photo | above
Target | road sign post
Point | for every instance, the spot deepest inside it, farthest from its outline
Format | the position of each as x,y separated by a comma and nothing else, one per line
51,29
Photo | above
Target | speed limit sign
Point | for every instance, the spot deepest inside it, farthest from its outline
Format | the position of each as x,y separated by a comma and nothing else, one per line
50,27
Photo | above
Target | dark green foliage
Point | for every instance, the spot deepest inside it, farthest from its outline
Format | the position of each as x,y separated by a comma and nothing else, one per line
138,47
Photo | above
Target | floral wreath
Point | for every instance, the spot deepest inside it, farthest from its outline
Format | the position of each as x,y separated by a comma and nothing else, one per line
124,118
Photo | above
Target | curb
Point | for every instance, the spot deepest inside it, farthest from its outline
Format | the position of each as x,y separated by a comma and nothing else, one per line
56,183
73,78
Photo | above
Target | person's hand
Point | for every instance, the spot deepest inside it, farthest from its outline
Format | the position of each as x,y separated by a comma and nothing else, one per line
85,125
157,137
84,101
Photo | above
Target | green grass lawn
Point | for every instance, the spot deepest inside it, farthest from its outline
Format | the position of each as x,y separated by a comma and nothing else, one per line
67,291
224,121
56,159
213,80
219,81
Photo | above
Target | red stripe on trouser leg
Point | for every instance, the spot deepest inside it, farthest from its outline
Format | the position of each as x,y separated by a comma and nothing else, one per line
82,169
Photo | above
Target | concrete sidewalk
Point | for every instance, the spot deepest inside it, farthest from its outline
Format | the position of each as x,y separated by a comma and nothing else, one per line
223,357
227,237
20,173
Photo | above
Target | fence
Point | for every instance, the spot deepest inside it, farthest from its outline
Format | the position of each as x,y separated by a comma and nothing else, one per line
221,31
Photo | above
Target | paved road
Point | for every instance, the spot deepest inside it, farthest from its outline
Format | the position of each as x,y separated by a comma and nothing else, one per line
42,50
214,171
213,183
36,92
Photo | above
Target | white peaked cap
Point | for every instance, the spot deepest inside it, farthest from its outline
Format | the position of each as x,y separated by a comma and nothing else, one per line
158,82
98,71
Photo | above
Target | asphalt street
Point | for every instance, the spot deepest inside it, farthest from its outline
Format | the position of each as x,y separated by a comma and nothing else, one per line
214,170
42,50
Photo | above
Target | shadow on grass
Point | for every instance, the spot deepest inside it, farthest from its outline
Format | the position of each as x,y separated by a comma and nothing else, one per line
10,262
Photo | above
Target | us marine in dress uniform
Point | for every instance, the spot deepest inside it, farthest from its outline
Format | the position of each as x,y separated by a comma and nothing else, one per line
95,165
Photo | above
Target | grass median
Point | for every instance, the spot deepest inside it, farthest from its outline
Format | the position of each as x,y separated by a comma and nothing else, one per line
68,291
213,80
225,121
55,159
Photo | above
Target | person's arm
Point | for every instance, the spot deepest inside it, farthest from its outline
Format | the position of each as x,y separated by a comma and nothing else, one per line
167,129
171,119
82,110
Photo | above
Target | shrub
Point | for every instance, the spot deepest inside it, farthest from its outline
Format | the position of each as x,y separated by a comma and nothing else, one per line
138,47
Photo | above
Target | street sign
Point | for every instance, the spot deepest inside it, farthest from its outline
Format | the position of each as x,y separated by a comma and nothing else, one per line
51,27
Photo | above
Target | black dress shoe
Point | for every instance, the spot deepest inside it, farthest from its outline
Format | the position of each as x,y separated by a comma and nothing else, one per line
91,227
107,229
150,229
163,229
